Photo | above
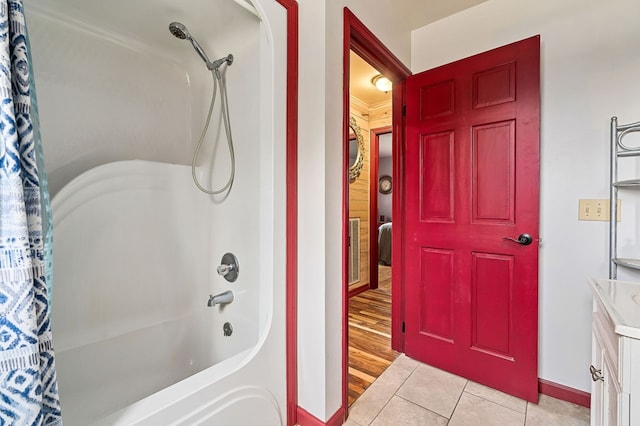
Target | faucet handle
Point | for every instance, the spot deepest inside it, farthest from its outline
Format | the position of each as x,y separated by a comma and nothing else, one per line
229,267
224,269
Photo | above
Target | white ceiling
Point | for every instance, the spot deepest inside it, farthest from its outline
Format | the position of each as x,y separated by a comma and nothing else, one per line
419,13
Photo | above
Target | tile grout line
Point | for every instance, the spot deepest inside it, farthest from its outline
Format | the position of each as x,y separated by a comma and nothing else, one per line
458,401
497,403
381,410
420,406
394,392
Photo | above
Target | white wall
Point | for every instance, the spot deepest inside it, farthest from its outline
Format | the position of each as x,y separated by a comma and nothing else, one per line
312,303
320,189
589,72
385,167
102,102
114,86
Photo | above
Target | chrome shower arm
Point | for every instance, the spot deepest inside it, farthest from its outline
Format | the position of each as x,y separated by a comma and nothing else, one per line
213,66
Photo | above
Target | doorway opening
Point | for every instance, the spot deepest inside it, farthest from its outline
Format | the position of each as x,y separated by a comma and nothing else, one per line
370,193
360,41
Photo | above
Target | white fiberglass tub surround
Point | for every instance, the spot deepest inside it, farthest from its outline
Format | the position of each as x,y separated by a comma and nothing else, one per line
136,245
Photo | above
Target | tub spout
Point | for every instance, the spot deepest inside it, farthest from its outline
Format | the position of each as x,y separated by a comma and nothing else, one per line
221,299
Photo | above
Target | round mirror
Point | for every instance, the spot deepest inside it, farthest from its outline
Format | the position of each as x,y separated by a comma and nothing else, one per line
356,150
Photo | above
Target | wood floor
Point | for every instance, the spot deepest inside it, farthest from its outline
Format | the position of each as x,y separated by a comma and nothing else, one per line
370,350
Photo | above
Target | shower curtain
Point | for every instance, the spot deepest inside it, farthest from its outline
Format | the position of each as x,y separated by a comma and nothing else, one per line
28,386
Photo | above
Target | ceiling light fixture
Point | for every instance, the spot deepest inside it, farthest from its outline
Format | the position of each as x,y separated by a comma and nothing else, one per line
382,83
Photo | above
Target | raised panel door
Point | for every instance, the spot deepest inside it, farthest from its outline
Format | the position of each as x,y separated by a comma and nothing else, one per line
471,188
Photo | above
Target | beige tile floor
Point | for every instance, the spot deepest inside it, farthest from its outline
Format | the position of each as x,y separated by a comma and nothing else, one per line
411,393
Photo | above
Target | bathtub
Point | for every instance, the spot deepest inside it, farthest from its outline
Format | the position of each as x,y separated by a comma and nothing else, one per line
133,276
136,245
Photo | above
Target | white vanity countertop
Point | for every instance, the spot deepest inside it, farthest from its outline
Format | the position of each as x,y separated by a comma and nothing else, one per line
621,299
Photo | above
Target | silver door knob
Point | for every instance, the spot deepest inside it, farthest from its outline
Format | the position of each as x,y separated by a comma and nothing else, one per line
523,239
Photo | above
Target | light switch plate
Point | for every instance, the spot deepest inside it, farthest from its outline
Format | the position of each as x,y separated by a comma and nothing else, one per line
597,210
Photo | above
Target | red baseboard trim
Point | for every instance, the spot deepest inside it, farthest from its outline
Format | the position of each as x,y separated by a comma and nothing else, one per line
306,419
356,291
564,393
338,418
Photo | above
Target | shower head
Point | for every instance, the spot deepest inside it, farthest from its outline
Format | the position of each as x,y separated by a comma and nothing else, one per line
180,31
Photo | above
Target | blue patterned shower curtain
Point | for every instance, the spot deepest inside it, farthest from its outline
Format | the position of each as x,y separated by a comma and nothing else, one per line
28,386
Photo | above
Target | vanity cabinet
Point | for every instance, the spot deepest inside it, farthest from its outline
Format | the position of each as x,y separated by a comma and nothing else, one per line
615,371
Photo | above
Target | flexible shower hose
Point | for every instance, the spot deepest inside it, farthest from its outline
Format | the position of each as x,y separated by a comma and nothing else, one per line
216,75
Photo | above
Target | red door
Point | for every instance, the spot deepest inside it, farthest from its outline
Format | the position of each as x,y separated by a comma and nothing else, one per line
472,188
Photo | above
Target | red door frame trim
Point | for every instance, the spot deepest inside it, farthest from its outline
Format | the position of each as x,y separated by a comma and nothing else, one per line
361,40
291,7
374,166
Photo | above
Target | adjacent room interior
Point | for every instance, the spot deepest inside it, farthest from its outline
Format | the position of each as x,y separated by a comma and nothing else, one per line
370,196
